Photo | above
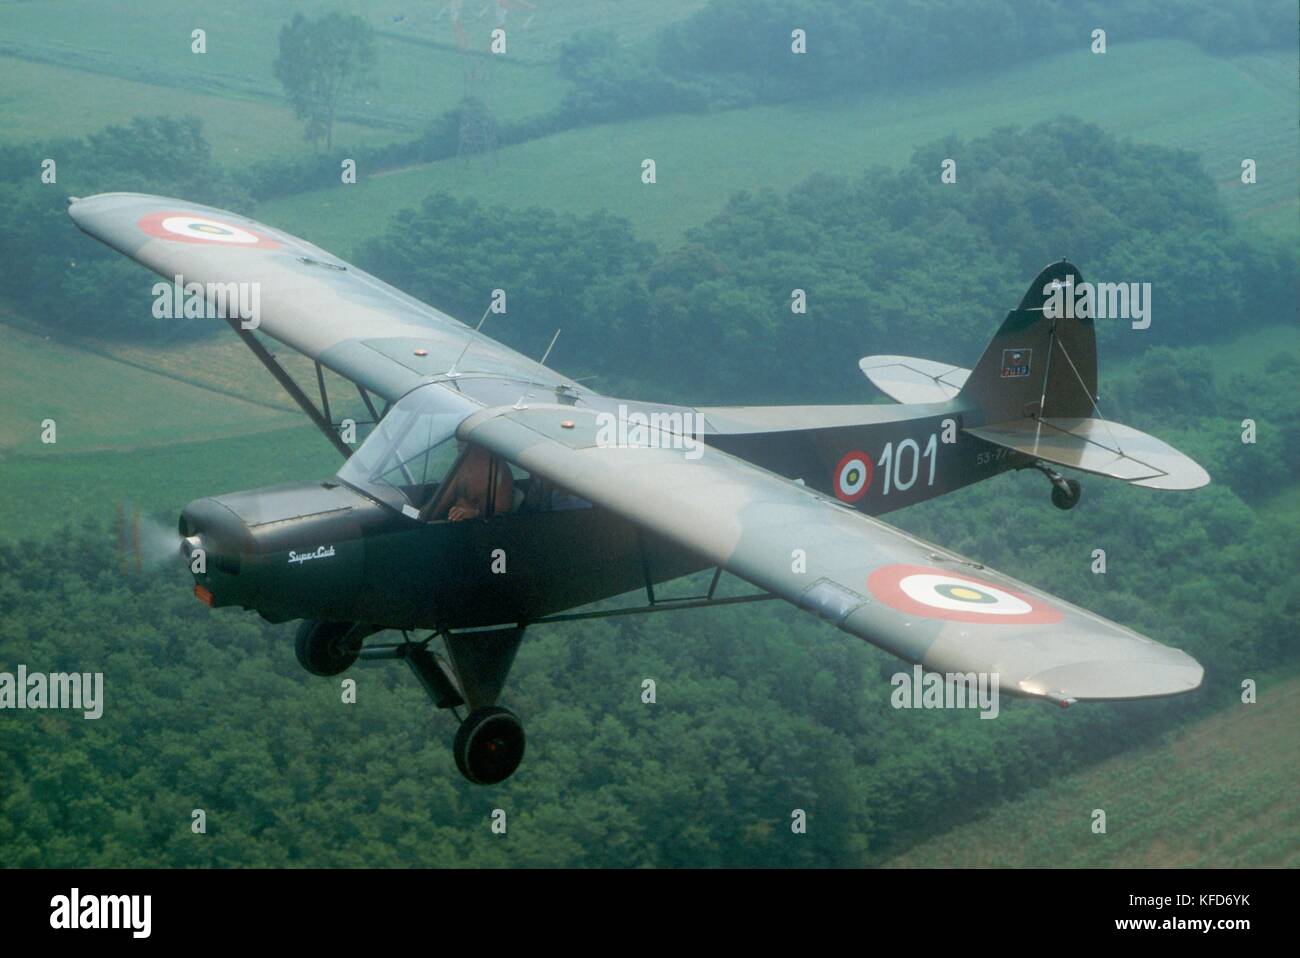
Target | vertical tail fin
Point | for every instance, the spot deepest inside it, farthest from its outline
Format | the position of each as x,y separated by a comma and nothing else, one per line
1039,363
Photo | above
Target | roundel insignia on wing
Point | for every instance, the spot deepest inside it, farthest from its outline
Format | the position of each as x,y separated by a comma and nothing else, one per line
184,227
941,594
852,476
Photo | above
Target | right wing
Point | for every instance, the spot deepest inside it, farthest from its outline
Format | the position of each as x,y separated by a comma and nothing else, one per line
922,603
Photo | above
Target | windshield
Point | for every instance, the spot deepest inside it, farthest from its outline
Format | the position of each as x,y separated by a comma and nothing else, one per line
410,452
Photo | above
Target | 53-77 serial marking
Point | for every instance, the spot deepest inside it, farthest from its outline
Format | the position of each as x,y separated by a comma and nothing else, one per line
991,455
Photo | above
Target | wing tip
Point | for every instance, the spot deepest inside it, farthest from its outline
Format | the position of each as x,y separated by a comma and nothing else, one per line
1191,475
1116,681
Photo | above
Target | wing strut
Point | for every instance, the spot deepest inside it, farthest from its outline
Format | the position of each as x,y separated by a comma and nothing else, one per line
662,605
284,379
370,407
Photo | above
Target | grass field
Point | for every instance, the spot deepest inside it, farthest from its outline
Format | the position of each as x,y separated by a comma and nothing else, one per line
39,495
1164,92
1246,353
41,100
129,434
223,364
1215,793
133,59
533,35
99,403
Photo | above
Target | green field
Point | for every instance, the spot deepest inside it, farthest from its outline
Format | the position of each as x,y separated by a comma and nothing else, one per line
1243,354
65,74
90,62
223,364
128,434
244,130
1216,793
156,427
1164,92
41,493
99,403
533,35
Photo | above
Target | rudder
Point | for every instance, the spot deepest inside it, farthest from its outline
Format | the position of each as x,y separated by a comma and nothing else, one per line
1036,364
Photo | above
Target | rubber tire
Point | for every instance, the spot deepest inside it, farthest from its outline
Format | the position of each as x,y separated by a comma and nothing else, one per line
1063,501
318,647
489,745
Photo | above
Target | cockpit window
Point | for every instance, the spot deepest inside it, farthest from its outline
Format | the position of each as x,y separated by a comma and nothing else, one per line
411,450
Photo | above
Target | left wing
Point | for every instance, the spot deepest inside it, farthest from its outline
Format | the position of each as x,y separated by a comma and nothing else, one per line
911,598
313,302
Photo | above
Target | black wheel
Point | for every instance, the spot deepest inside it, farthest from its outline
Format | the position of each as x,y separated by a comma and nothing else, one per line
489,745
320,647
1067,500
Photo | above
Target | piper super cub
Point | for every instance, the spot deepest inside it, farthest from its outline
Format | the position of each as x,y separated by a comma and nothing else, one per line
480,459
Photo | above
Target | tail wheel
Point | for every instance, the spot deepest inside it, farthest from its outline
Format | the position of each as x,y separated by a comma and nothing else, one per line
1067,498
489,745
323,647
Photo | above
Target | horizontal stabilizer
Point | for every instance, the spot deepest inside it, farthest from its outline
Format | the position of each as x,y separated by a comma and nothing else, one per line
907,380
1098,446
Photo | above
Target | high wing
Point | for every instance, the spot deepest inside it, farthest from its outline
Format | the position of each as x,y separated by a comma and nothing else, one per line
913,599
340,316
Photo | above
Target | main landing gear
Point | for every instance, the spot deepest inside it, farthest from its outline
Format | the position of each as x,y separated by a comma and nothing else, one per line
1065,492
327,648
489,744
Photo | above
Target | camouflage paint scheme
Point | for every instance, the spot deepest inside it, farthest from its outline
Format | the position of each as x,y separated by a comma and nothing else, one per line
771,483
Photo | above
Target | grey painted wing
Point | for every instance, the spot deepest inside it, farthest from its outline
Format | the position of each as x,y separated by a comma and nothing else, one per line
916,600
313,302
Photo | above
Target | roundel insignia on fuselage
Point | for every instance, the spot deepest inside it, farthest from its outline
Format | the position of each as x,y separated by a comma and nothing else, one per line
182,227
942,594
852,476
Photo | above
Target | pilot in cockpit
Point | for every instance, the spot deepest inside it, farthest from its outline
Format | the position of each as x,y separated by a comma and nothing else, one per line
478,472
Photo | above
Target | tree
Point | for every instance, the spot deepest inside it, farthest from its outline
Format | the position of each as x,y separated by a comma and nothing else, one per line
317,60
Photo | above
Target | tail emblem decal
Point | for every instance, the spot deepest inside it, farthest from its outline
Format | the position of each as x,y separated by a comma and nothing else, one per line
1015,363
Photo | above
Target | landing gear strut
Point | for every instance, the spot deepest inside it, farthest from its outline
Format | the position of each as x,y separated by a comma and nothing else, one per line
489,744
1065,492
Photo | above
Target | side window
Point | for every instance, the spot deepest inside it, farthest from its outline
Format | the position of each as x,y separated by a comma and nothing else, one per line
413,462
542,495
481,485
467,492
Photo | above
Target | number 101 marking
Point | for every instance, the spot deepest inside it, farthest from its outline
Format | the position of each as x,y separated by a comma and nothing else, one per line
893,463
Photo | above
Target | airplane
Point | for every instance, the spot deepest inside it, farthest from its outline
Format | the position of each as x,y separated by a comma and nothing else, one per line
493,493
